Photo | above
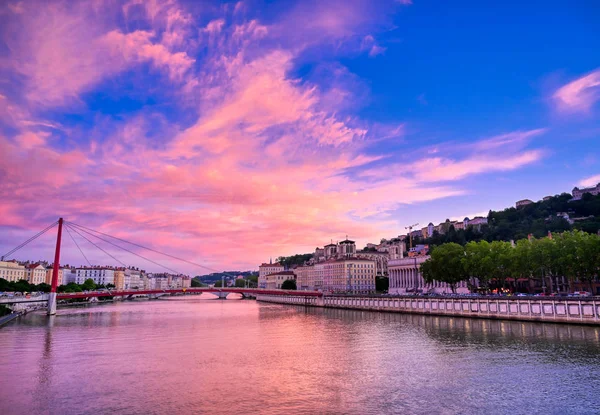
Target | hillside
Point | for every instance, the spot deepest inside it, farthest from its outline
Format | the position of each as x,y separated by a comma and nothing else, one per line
556,214
216,276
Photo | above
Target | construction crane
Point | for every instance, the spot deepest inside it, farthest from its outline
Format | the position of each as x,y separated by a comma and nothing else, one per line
410,228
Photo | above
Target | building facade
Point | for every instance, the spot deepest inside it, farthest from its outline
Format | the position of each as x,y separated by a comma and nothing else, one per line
50,271
266,269
275,280
12,271
35,274
347,275
100,275
405,277
522,203
578,193
119,279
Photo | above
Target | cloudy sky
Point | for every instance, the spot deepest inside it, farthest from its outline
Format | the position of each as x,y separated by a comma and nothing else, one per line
227,133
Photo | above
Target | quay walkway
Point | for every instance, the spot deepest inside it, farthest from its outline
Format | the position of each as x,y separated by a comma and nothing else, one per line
556,310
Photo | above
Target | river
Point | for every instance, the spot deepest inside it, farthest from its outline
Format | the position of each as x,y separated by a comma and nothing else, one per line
196,354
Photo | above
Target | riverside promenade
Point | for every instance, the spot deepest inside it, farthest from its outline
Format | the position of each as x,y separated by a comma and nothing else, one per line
552,310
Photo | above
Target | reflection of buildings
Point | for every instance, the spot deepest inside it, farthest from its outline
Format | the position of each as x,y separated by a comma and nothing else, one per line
405,277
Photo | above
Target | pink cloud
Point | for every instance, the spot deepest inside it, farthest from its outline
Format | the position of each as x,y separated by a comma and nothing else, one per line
442,169
266,165
590,181
579,95
64,49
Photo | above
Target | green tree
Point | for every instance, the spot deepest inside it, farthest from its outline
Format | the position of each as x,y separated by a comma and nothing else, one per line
446,264
240,283
382,284
478,262
88,285
288,285
500,257
197,283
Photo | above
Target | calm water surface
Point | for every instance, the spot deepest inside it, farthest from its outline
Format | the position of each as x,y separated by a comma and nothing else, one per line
202,355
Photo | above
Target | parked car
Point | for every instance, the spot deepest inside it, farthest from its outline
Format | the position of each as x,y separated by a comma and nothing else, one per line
582,294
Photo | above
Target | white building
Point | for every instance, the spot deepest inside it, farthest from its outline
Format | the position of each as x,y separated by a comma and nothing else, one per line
405,277
12,271
100,275
69,275
133,277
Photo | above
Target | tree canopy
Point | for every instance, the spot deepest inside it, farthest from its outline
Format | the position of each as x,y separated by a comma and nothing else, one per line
573,254
288,285
298,259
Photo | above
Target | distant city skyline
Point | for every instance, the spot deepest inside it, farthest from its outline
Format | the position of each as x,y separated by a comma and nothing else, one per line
232,132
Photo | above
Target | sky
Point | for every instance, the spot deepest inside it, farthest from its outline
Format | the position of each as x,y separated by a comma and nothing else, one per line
228,133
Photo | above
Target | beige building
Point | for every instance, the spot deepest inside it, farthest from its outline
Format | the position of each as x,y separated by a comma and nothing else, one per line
274,281
119,279
304,277
35,274
523,202
347,275
12,271
266,269
50,271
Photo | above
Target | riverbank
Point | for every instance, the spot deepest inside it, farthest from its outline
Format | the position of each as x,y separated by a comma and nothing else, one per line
573,311
10,317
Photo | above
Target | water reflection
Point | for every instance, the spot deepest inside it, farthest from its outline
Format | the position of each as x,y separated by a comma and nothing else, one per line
440,327
191,355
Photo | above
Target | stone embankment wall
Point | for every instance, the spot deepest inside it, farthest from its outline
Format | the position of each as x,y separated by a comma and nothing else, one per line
580,311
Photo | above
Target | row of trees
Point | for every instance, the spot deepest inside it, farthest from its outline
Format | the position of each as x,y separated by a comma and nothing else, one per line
24,286
574,255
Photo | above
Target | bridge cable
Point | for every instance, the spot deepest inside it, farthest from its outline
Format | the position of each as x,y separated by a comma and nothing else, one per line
153,250
77,245
119,261
131,252
37,235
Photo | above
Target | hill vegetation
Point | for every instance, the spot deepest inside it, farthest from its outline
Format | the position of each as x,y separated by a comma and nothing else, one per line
290,261
536,219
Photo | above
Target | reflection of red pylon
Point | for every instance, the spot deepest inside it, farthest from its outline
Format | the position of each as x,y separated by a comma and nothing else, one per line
55,269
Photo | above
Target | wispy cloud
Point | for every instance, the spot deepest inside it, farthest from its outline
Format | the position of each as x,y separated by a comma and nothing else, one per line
579,95
590,181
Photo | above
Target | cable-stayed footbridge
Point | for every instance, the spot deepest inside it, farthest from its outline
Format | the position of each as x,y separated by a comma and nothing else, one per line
94,237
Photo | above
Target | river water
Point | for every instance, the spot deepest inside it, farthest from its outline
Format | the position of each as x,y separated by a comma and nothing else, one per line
197,354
